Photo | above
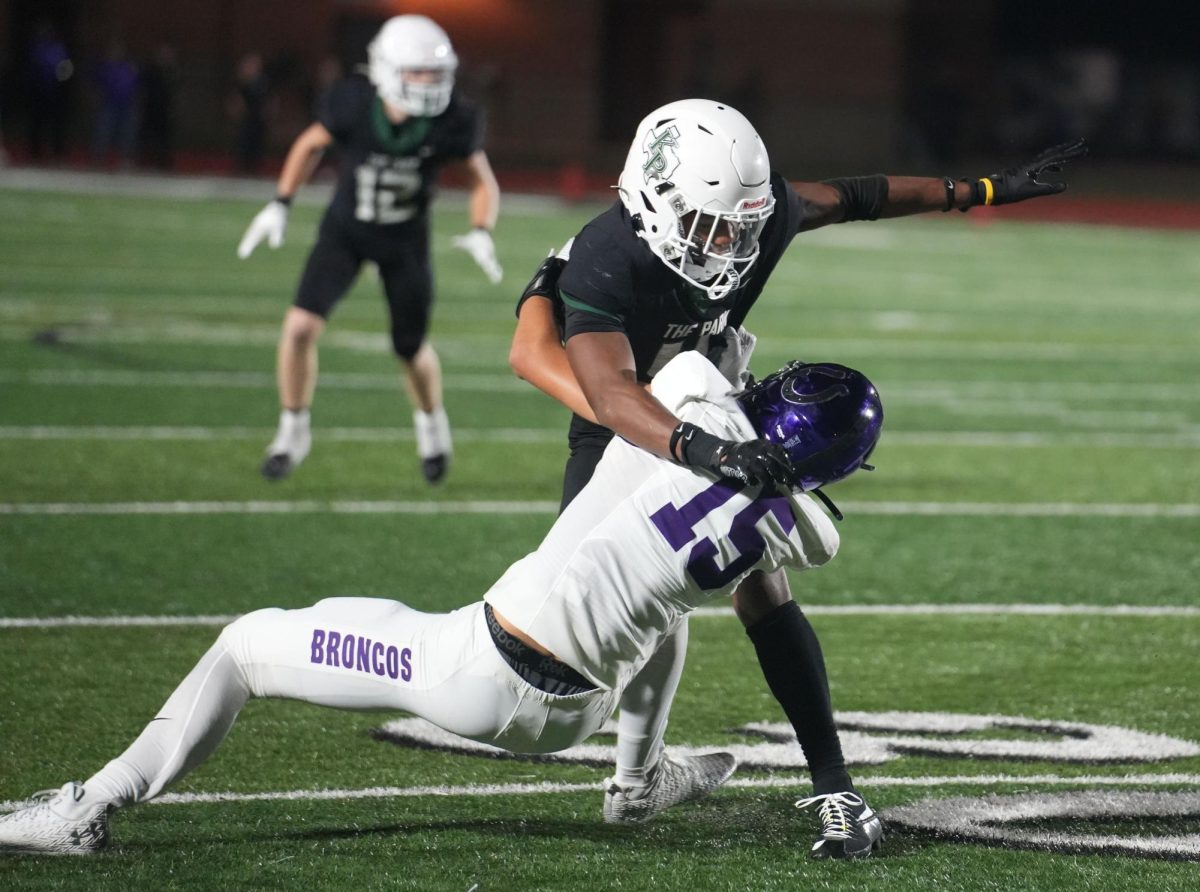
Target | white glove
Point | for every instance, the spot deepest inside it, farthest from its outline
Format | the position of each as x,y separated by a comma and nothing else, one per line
478,243
270,223
734,361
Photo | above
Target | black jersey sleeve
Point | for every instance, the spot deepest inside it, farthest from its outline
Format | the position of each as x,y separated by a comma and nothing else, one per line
462,129
597,285
342,105
789,207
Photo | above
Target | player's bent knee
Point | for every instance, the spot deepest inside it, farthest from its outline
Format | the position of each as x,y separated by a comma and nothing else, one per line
240,636
302,326
407,345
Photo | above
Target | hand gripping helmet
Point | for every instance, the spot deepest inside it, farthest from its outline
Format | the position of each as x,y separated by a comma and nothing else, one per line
412,65
697,184
826,417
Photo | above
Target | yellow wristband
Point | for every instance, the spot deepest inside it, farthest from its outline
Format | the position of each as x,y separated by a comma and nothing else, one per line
988,191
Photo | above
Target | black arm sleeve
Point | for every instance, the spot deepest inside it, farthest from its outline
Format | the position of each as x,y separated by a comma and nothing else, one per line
862,197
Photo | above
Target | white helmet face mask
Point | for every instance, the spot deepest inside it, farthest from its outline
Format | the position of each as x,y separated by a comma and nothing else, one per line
412,65
697,182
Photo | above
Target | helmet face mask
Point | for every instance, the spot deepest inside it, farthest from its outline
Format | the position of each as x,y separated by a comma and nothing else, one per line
412,65
697,184
827,417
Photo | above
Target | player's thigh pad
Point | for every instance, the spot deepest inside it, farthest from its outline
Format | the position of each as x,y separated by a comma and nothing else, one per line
330,270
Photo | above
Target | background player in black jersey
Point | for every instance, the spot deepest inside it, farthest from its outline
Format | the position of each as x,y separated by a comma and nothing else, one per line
395,130
676,264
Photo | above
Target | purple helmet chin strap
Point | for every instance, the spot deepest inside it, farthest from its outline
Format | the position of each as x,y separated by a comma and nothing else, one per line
827,417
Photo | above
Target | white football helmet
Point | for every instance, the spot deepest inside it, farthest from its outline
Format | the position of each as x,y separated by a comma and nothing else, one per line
412,65
697,184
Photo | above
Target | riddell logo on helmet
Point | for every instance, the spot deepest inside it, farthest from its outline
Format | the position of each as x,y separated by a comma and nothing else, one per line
753,204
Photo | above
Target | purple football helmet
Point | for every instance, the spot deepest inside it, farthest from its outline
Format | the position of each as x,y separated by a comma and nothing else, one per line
827,417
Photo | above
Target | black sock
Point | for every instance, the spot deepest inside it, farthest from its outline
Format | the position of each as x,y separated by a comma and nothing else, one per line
794,668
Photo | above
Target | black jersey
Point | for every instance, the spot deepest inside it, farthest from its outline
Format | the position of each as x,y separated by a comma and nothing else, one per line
388,172
614,282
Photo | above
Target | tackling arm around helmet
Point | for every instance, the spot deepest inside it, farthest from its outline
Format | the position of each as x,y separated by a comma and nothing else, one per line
752,462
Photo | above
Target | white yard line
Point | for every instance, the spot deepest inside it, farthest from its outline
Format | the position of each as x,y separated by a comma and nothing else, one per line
309,506
1109,610
922,392
752,783
1179,439
186,331
504,383
336,434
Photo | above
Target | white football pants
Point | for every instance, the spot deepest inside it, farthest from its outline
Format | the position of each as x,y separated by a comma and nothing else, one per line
369,653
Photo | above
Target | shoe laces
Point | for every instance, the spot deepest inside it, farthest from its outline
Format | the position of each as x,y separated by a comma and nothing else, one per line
837,811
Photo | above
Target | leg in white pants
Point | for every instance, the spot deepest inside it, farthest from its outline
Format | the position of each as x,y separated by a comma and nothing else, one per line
349,653
645,705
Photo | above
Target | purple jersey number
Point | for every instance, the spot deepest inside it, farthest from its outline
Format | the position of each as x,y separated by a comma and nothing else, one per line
678,527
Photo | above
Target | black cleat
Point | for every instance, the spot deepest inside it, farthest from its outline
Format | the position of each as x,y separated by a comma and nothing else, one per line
277,466
434,468
849,829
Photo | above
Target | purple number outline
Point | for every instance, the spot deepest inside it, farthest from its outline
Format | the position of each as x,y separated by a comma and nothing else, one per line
677,526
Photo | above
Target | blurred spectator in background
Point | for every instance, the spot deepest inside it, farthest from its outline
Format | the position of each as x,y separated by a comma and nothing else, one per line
115,125
50,68
329,71
160,79
1160,111
248,106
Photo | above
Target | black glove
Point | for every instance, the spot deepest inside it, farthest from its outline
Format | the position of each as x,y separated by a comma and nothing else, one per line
1025,180
753,462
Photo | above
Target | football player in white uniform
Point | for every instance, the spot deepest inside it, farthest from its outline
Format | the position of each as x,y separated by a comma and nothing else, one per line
395,129
594,620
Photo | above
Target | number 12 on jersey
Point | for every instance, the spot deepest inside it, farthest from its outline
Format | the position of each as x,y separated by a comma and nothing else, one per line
385,194
678,527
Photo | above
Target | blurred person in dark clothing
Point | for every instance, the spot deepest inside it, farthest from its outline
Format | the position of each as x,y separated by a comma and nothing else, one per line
50,68
249,106
160,80
115,124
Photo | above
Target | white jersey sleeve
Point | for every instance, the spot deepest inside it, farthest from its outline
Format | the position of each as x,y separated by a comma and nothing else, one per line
647,541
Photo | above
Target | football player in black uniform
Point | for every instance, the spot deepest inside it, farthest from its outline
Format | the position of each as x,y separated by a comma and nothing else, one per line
676,264
395,129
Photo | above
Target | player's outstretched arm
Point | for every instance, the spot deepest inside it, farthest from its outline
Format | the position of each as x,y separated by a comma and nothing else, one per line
844,199
483,208
271,222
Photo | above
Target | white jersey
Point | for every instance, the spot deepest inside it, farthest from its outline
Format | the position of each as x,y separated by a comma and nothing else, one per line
647,541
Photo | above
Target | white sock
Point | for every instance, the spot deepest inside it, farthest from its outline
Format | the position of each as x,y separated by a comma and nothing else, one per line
188,727
433,433
294,436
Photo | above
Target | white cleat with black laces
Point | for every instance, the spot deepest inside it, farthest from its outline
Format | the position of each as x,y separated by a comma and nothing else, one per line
849,829
57,825
675,781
